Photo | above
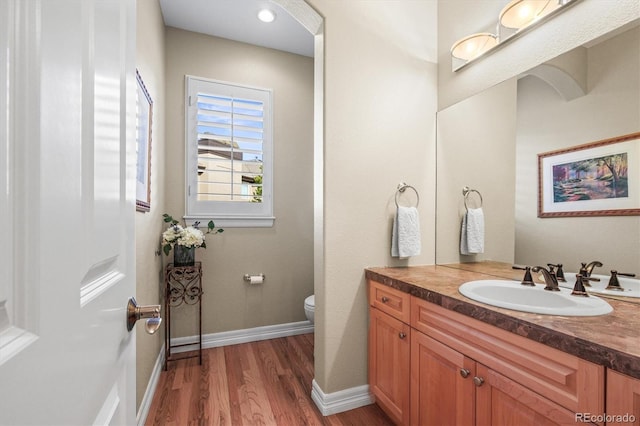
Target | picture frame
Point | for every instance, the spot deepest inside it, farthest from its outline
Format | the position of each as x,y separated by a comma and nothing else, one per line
144,115
600,178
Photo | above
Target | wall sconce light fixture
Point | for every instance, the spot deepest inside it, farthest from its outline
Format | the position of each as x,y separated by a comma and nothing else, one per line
472,46
514,18
520,13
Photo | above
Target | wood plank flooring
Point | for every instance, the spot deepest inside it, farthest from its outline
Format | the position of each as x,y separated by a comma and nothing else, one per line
258,383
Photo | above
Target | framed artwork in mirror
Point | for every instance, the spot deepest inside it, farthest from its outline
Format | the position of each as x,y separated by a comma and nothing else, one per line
144,113
600,178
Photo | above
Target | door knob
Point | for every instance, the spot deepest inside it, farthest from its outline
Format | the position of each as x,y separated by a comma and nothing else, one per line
464,372
478,381
150,312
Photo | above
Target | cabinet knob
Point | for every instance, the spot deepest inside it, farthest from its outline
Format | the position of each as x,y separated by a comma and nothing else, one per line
385,299
478,381
402,335
464,372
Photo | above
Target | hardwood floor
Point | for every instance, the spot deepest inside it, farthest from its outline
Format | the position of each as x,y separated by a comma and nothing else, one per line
258,383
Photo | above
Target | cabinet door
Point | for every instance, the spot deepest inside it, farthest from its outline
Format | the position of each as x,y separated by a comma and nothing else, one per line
442,389
501,401
623,398
389,353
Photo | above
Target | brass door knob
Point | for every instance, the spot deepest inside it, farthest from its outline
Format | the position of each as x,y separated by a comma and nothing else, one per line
464,372
402,335
385,299
478,381
150,312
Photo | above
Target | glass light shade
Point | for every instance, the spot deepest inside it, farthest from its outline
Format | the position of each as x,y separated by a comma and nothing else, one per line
520,13
472,46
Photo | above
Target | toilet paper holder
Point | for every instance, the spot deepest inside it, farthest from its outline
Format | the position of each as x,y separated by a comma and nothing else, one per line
248,277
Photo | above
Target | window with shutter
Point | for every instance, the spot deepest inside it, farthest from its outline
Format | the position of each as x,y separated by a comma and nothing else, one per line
229,153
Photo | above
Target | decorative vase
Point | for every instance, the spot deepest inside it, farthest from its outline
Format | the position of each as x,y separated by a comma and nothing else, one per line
184,256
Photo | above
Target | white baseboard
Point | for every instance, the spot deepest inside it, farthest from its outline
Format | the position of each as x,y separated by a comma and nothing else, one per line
340,401
246,335
215,340
147,398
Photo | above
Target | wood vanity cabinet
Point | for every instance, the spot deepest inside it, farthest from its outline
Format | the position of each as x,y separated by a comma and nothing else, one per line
466,372
389,351
448,388
623,398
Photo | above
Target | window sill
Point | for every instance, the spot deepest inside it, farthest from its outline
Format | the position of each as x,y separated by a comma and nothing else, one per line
232,221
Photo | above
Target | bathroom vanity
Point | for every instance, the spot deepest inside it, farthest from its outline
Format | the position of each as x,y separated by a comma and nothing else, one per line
436,357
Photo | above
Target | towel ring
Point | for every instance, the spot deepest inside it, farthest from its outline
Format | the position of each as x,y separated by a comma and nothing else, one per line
466,191
403,187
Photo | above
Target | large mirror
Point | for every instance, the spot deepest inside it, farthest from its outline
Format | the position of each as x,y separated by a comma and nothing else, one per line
491,141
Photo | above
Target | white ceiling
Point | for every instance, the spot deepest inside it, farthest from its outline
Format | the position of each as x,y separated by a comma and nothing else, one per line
237,20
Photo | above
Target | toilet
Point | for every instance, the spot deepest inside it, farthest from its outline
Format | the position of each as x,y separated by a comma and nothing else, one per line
310,307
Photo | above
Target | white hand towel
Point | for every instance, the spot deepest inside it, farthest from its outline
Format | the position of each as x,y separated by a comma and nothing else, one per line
472,232
405,238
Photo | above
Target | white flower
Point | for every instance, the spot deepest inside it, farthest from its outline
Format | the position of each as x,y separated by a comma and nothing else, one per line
191,237
172,234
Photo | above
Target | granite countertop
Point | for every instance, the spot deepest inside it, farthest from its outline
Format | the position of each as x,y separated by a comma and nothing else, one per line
611,340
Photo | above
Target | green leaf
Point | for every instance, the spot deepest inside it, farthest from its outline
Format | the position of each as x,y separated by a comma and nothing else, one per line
166,249
211,225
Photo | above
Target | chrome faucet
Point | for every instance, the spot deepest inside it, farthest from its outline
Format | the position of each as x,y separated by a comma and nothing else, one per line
549,278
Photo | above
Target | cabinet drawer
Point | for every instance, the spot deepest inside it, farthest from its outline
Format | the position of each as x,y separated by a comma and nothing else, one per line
391,301
572,382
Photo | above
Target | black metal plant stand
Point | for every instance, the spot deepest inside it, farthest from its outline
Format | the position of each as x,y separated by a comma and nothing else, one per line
183,284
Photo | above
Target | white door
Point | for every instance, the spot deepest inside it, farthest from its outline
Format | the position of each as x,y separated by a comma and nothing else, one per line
67,205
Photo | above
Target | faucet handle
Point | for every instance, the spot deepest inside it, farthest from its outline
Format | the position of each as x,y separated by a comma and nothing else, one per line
527,279
582,282
614,284
559,271
578,288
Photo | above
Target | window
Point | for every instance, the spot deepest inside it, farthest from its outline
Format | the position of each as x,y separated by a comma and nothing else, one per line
229,154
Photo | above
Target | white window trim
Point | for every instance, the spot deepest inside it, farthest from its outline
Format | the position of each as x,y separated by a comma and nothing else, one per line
250,216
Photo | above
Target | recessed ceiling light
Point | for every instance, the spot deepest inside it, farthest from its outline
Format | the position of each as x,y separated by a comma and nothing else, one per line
266,15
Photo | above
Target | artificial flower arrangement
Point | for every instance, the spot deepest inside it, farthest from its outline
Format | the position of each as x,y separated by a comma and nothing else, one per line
190,236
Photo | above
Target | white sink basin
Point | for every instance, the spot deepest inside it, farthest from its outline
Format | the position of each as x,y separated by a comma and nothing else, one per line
631,286
513,295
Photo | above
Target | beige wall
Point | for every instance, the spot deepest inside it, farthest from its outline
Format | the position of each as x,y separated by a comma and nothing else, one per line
380,103
546,122
476,149
284,253
150,63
